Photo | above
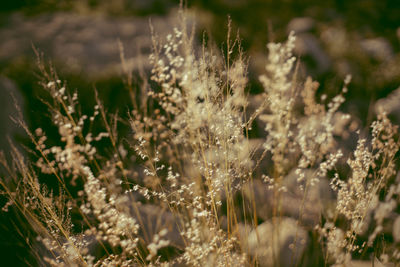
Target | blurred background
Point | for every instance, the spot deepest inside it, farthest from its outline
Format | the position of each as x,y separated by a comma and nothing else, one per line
80,38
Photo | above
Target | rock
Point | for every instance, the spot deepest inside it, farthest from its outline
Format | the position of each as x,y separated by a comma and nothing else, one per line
319,197
308,45
262,198
279,244
398,33
152,219
244,231
396,230
378,48
301,24
336,40
360,263
84,43
8,93
390,105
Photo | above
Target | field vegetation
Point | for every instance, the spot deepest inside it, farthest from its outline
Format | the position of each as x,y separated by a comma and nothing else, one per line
196,170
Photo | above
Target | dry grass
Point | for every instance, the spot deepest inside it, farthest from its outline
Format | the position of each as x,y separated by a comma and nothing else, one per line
188,187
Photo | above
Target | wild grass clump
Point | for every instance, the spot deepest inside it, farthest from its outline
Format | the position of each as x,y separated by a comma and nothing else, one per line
189,187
